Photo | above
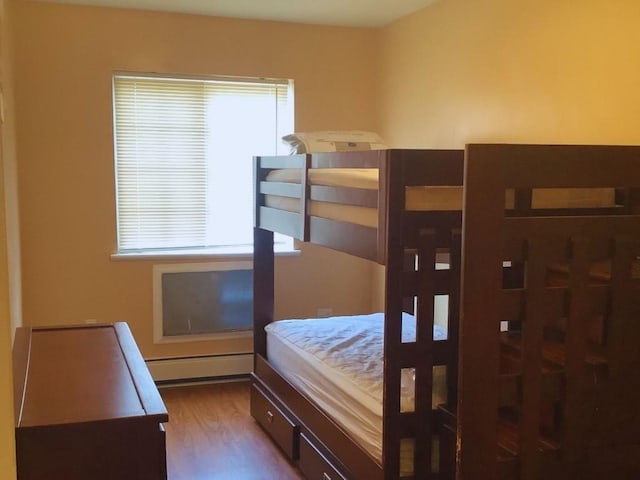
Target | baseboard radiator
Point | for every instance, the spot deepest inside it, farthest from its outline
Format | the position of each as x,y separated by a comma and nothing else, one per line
210,367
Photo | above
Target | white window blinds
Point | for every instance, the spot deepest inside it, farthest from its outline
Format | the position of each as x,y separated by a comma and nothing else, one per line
184,150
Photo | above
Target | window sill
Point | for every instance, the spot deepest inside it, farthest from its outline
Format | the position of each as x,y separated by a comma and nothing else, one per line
201,254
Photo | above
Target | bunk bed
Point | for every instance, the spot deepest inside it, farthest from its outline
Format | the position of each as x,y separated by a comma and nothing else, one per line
387,232
554,393
411,223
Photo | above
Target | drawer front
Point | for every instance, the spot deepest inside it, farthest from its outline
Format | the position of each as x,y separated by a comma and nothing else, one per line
283,430
314,465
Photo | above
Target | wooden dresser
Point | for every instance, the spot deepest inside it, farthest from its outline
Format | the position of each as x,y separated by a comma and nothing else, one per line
86,406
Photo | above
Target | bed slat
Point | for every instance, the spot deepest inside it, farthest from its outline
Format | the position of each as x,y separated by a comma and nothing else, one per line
344,237
287,223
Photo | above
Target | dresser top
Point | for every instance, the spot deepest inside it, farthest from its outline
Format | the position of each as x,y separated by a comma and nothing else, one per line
81,374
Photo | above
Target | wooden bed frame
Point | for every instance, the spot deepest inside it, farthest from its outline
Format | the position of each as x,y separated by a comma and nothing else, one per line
400,235
556,394
312,439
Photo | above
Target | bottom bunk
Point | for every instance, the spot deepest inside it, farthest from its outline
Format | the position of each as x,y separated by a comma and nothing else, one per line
330,370
337,362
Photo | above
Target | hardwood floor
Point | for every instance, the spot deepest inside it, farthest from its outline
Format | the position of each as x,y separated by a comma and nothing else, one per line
211,435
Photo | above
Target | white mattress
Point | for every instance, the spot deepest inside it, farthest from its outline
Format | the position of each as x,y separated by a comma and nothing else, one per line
337,362
418,198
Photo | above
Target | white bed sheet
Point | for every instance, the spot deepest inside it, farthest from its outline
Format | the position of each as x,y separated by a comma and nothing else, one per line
337,362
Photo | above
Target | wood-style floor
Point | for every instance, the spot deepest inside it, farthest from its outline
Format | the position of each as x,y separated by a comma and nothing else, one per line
211,435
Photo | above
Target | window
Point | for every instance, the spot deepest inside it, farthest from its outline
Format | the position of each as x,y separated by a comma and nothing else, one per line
184,152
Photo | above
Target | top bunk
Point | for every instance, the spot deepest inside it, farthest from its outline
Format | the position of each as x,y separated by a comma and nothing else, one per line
348,201
367,202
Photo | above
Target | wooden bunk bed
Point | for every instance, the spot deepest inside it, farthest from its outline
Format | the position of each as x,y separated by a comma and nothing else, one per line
555,393
408,241
395,239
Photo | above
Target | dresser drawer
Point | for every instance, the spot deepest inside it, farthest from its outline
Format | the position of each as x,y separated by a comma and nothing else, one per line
314,465
281,429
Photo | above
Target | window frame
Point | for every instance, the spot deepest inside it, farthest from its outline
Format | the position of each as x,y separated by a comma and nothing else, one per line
286,247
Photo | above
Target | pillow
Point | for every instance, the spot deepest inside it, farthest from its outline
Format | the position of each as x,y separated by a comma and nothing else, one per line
333,141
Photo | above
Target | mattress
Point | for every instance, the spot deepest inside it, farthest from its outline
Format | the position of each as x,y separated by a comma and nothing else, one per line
417,198
337,362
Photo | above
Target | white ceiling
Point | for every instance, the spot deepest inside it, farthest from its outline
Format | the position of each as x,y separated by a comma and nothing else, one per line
357,13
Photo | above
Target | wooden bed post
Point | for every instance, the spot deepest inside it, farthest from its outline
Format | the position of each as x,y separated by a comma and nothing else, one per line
479,348
424,355
263,271
263,288
394,256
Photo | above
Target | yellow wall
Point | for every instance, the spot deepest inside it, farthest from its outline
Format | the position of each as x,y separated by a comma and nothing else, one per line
7,458
9,250
458,71
7,455
543,71
65,58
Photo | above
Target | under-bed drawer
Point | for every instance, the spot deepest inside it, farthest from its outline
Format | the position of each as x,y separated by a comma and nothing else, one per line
282,430
314,465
